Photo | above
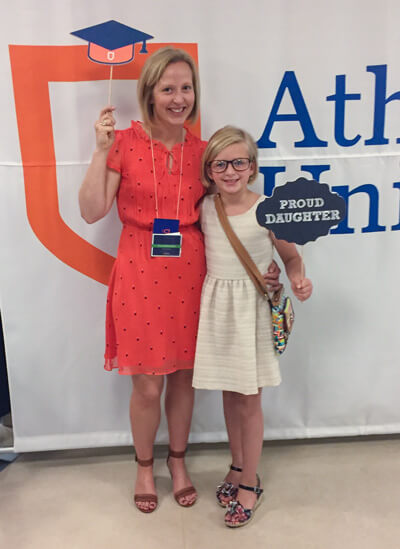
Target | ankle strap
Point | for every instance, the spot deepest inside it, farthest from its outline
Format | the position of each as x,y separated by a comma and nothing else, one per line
256,489
173,454
238,469
144,462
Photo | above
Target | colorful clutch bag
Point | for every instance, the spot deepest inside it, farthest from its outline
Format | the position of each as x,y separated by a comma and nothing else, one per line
282,316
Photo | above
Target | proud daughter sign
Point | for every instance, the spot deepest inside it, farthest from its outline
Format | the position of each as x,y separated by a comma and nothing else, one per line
300,211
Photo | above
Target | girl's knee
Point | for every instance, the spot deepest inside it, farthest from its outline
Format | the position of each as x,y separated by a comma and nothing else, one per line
250,404
230,397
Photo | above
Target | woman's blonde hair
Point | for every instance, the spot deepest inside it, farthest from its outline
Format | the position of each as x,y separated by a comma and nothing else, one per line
153,70
226,136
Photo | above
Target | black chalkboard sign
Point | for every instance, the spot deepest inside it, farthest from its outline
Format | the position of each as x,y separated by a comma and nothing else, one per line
300,211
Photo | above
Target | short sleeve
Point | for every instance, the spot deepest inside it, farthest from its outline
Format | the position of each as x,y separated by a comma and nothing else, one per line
201,213
203,147
114,158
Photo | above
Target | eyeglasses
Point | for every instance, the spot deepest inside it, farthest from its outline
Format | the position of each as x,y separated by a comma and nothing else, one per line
238,164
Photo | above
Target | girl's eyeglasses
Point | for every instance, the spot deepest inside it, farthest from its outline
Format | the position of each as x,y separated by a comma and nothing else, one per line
238,164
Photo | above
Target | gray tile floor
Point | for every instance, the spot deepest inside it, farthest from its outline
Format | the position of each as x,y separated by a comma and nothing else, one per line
318,495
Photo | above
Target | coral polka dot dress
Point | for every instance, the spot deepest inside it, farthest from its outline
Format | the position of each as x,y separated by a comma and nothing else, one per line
153,302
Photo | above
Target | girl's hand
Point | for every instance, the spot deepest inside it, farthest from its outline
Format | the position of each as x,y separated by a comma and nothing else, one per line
302,288
104,127
271,277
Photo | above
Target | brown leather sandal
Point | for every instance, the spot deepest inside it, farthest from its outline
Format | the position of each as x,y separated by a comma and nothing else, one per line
145,498
184,492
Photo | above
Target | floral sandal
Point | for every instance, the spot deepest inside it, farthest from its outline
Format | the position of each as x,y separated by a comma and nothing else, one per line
184,492
227,490
236,514
145,498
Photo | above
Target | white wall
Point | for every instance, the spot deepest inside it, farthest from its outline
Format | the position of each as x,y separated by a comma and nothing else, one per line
340,373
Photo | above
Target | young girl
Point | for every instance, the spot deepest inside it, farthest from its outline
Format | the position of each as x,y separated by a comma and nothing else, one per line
234,350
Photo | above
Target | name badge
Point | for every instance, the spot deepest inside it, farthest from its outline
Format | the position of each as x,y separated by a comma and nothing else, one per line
166,245
166,240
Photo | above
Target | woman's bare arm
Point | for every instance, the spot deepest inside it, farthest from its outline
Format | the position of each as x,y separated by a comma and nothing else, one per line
100,184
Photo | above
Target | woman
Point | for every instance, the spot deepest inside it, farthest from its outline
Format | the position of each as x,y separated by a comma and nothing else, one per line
153,168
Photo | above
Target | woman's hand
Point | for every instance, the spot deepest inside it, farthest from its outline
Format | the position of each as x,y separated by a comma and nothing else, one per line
302,288
104,127
271,277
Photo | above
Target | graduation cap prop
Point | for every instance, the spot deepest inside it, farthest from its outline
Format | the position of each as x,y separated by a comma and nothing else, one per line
300,211
112,43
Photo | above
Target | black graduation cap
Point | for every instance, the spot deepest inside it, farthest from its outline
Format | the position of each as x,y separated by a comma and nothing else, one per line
112,43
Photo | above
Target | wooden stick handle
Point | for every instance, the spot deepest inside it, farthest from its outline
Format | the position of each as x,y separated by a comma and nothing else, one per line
110,84
302,262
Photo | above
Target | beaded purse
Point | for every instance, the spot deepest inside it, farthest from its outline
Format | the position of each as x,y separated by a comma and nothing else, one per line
282,316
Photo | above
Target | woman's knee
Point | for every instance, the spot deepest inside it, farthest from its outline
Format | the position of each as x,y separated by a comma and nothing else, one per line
180,379
148,388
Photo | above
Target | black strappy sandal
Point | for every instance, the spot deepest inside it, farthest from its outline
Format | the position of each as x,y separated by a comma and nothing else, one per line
227,490
235,508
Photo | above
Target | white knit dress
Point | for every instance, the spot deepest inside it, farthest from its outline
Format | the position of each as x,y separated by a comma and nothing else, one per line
234,344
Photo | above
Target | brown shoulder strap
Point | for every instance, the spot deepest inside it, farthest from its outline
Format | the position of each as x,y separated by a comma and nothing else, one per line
243,255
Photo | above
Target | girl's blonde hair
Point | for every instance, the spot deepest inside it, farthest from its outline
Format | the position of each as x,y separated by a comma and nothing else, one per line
153,70
226,136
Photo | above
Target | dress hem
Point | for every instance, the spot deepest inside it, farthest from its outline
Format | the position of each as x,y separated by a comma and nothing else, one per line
132,371
275,382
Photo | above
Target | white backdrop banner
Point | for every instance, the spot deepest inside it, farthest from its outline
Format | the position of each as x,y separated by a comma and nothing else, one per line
318,86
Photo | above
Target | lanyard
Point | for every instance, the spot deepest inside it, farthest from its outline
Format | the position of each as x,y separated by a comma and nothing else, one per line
155,178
